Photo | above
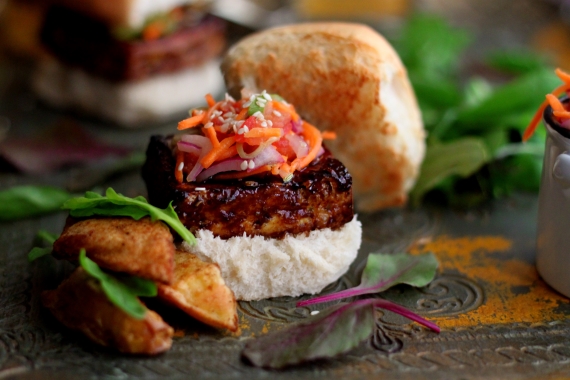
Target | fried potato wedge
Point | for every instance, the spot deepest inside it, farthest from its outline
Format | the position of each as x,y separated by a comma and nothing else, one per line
199,290
138,247
80,304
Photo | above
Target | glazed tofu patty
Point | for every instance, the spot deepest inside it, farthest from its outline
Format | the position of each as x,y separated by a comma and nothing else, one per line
319,196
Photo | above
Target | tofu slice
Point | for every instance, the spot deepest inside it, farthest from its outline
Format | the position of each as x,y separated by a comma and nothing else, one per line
199,290
138,247
80,304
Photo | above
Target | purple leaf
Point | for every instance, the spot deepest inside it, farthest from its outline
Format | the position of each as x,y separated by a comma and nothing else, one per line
383,271
63,144
337,330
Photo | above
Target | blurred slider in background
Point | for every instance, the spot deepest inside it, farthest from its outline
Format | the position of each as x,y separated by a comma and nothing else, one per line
130,62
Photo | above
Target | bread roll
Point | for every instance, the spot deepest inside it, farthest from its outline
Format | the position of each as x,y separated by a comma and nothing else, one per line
344,78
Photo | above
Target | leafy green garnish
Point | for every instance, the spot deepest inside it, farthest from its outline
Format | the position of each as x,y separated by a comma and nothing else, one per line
383,271
38,252
469,119
342,327
334,331
122,292
20,202
114,204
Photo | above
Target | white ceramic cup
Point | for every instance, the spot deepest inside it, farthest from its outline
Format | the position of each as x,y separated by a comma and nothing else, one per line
553,234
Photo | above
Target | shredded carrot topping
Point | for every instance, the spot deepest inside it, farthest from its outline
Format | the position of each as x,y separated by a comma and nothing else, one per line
211,134
218,151
191,122
538,115
153,31
269,138
178,174
328,135
210,99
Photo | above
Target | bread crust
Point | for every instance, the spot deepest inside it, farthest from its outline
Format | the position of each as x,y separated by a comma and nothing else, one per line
344,78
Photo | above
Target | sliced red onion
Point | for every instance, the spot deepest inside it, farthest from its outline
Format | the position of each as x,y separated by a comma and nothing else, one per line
297,126
187,147
206,145
268,156
199,141
320,152
298,144
231,164
565,124
257,151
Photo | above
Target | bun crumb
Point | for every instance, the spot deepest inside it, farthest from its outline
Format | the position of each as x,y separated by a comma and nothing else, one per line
256,267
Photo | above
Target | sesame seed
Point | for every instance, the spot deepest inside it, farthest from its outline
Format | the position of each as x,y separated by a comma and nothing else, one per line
257,114
245,129
251,98
209,125
181,166
264,124
260,104
240,131
200,188
239,123
228,114
221,119
244,165
247,104
267,96
234,128
224,128
251,164
276,113
229,98
270,123
315,312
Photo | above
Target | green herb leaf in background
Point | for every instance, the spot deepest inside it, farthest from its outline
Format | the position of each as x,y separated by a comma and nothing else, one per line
122,292
114,204
38,252
383,271
20,202
470,119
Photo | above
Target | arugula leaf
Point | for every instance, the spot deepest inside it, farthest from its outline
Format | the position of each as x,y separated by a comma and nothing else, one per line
38,252
383,271
331,332
20,202
122,293
114,204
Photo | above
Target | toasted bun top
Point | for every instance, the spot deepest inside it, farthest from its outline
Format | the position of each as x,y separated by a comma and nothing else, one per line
132,13
344,78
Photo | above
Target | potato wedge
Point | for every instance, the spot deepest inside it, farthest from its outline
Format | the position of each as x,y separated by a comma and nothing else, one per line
199,290
80,304
138,247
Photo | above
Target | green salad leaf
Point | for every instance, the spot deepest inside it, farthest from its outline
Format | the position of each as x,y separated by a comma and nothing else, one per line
344,326
473,123
38,252
121,291
20,202
336,330
115,204
383,271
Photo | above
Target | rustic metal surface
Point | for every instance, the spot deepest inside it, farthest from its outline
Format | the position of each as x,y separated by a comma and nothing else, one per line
501,343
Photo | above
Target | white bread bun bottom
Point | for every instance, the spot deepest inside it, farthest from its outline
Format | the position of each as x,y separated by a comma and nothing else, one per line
128,104
256,267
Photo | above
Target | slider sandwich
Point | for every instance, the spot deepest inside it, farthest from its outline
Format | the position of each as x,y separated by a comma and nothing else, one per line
130,62
265,199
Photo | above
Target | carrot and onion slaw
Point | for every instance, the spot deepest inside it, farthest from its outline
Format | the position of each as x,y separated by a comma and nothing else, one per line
560,112
233,139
